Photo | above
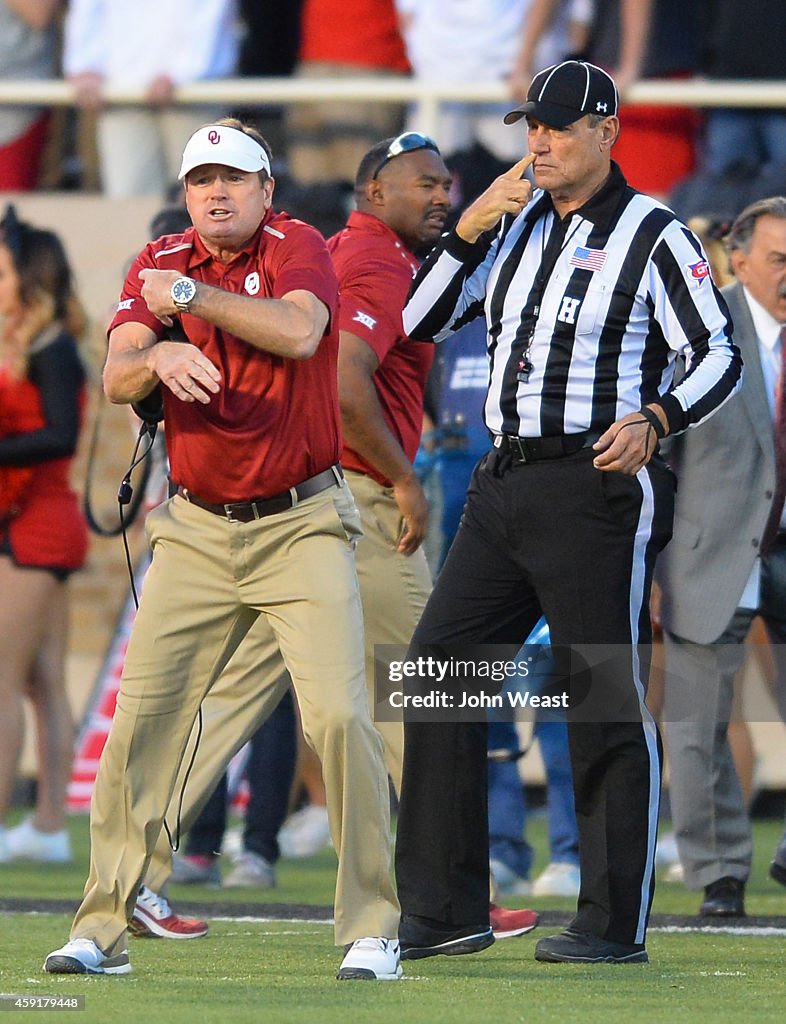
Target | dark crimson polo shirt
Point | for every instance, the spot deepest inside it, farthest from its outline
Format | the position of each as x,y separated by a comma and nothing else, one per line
375,271
275,421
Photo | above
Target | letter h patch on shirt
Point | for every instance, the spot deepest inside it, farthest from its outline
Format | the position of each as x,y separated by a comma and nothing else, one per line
568,309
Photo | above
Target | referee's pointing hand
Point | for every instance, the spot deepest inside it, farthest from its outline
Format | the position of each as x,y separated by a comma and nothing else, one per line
509,193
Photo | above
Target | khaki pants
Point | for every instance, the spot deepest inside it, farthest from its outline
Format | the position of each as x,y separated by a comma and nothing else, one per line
393,589
140,148
327,140
208,580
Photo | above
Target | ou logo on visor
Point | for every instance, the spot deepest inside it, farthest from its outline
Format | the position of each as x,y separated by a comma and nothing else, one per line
252,283
214,137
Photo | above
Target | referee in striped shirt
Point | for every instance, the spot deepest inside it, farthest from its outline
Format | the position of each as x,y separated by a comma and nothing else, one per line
590,291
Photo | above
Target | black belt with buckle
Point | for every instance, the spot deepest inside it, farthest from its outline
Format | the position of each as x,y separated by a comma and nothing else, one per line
535,449
248,511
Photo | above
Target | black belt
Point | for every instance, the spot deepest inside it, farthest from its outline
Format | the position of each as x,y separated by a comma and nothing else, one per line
248,511
534,449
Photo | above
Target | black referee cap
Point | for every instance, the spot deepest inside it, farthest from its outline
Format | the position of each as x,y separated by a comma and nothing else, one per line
563,93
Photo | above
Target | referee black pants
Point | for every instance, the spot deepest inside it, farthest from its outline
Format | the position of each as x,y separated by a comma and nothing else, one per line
561,538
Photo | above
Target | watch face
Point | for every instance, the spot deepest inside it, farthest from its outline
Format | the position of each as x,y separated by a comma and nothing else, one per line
183,290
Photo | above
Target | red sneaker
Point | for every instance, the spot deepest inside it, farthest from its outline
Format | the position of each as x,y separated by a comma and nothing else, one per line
154,918
507,924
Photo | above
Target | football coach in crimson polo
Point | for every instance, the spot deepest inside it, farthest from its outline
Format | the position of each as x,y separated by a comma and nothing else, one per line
261,523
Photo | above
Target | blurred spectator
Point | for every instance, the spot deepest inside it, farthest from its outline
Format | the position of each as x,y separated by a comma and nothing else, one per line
552,31
269,46
343,39
650,39
744,41
159,47
27,50
726,564
453,41
323,204
43,535
713,235
271,36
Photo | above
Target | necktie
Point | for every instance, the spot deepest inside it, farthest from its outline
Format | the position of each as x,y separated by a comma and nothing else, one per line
773,523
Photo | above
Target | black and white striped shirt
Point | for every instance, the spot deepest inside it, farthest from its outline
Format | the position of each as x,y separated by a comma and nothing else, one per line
629,291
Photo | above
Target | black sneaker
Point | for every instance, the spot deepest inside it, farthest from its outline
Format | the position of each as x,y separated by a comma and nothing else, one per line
581,948
724,898
419,939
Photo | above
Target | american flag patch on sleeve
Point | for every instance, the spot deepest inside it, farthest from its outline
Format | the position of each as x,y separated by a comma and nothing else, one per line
588,259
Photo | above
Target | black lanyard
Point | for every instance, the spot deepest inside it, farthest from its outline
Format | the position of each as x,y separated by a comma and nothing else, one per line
550,253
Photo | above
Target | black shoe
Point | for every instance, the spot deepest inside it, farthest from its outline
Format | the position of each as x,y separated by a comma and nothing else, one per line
778,865
581,948
419,939
724,898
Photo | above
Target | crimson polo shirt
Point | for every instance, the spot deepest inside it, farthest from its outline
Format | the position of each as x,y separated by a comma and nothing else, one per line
275,421
375,271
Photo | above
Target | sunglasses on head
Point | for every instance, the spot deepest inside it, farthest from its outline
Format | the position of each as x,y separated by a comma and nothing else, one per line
409,142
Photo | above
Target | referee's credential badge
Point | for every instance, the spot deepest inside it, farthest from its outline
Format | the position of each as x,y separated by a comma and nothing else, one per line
699,270
252,283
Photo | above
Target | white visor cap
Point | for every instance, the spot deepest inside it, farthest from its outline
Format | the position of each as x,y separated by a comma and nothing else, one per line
218,144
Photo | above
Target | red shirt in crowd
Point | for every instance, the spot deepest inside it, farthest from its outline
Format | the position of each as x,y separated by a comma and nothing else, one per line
375,271
360,32
275,421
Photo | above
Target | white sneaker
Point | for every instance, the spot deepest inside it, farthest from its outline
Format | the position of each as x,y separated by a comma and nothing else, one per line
305,832
25,842
505,881
82,956
251,871
371,959
666,852
232,845
560,878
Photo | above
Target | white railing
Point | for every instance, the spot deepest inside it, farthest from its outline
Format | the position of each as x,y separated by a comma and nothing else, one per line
250,92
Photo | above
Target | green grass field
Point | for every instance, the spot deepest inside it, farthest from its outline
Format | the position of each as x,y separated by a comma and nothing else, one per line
282,971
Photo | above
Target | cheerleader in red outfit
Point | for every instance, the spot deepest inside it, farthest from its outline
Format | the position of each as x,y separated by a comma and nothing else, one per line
43,535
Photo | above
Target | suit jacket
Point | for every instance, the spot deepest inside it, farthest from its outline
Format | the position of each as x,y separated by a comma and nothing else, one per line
726,480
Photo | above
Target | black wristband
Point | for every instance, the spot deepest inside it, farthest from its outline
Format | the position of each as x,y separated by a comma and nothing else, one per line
654,421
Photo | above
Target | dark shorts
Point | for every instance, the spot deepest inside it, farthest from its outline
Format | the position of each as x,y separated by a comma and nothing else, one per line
57,571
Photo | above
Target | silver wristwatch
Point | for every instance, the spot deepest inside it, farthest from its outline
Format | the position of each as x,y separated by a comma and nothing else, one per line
183,292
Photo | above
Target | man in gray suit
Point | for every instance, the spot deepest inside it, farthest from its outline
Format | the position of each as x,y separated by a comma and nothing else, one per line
725,564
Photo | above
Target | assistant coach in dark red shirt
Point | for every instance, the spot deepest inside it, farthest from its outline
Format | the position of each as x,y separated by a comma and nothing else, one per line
262,523
402,197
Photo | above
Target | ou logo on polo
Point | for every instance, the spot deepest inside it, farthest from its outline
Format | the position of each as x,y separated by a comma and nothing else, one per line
252,283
